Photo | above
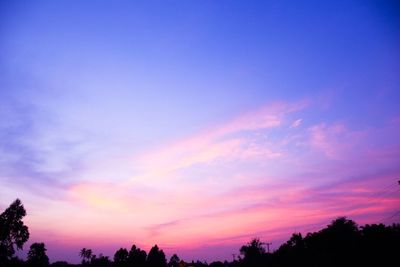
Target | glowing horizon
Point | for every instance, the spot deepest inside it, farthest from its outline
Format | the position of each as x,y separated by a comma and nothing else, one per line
126,126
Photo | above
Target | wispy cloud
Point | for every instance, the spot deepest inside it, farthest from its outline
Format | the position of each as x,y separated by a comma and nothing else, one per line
296,123
248,176
235,140
31,153
262,173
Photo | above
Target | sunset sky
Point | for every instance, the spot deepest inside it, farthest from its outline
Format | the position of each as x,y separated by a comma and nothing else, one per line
197,125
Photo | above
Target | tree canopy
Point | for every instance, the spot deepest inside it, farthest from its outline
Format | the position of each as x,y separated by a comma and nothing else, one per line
137,257
156,257
37,255
121,257
13,232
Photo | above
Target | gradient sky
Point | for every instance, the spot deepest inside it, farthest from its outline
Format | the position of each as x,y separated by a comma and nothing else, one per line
197,125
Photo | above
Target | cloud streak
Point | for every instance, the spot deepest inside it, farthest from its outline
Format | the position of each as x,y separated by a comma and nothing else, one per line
252,175
259,174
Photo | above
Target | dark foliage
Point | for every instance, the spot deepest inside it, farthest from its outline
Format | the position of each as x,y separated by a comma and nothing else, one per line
156,257
254,253
60,264
100,261
121,257
37,255
13,232
380,245
137,257
174,261
342,243
194,264
216,264
14,262
86,255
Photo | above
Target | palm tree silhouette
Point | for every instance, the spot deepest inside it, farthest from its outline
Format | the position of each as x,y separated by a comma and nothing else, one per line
86,255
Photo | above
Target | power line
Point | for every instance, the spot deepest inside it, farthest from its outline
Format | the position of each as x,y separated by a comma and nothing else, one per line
268,244
397,213
377,195
384,191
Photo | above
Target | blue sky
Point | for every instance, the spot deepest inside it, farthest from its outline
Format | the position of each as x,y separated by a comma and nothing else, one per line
201,97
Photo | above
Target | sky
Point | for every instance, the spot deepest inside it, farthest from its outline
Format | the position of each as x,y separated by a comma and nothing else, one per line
197,125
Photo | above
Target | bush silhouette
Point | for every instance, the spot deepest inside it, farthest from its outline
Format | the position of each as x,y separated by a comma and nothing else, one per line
37,255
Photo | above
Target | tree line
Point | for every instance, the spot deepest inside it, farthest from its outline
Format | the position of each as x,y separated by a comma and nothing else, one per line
341,243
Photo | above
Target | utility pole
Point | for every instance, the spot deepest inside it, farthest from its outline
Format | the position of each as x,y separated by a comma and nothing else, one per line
268,244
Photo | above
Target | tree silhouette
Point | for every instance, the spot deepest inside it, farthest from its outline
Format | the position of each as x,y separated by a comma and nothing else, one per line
342,243
60,264
156,258
380,245
292,252
216,264
86,255
37,255
82,253
101,261
13,232
253,253
121,257
137,257
335,244
174,261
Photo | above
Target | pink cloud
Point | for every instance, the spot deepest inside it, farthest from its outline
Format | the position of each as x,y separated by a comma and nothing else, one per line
335,140
296,123
228,142
259,174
